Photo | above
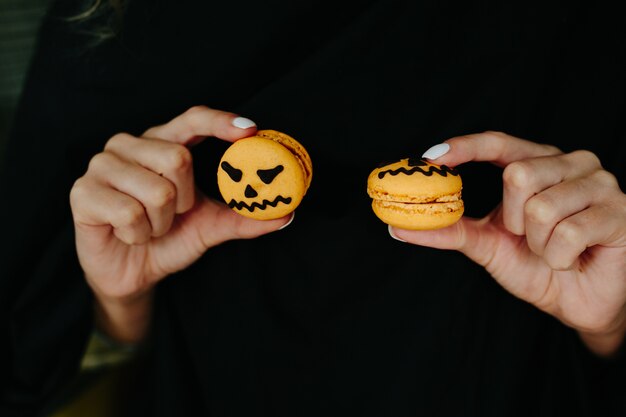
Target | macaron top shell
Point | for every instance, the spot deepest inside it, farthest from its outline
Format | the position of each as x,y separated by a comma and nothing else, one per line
414,180
294,147
260,178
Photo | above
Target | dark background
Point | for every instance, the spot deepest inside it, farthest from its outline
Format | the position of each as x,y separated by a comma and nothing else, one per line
19,21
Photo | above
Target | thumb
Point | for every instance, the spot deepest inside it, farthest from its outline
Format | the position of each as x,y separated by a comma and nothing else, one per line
213,222
476,238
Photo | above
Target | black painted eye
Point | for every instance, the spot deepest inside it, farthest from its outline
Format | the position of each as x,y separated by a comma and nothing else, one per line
234,173
268,175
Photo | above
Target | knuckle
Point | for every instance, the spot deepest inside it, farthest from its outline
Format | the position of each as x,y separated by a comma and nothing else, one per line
196,109
190,122
99,162
568,233
495,133
586,156
198,117
152,132
605,178
498,141
497,138
117,140
163,195
540,210
77,192
130,215
180,158
194,116
517,175
551,149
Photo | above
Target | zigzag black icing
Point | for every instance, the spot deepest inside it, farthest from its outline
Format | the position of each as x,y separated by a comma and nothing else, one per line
261,206
416,164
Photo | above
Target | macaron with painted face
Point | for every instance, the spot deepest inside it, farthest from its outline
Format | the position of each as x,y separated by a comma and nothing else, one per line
265,176
416,194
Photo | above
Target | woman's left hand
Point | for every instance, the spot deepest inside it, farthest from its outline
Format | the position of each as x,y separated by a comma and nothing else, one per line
557,240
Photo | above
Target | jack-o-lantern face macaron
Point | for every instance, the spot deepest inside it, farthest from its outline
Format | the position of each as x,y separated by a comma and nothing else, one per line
416,194
264,176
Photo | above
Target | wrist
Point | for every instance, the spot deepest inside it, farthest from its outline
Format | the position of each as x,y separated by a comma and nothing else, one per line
124,319
123,301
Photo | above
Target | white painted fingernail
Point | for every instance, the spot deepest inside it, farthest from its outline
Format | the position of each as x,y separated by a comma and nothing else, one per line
436,151
289,222
243,123
393,235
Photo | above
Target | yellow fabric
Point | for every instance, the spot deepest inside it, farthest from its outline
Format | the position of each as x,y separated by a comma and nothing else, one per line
96,398
103,352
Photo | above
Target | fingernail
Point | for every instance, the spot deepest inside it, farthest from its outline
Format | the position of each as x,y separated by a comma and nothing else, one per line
436,151
289,222
243,123
393,235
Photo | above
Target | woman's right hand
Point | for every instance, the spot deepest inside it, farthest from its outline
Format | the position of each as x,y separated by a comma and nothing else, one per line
138,216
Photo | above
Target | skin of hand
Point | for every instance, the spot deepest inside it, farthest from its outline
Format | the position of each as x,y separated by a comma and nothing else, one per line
138,216
558,238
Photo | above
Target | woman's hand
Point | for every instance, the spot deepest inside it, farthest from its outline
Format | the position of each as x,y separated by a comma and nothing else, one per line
138,216
557,240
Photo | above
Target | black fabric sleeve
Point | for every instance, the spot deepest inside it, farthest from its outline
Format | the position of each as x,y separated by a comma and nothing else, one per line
74,99
45,304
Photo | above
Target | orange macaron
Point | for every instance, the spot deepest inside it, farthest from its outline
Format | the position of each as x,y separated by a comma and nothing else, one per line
416,194
264,176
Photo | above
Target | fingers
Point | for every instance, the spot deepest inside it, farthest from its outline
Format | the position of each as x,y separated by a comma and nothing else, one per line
477,239
496,147
526,178
598,225
136,186
542,193
562,204
218,223
163,148
94,204
530,167
156,194
169,160
149,180
199,122
543,212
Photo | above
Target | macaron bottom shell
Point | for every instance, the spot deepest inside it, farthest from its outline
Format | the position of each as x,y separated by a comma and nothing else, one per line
418,216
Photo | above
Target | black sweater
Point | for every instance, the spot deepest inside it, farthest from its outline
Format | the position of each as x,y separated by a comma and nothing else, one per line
330,316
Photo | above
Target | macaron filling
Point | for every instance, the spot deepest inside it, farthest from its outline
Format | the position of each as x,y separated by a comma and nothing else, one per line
415,199
430,208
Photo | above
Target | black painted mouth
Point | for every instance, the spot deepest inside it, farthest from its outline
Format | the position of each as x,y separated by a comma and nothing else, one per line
261,206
